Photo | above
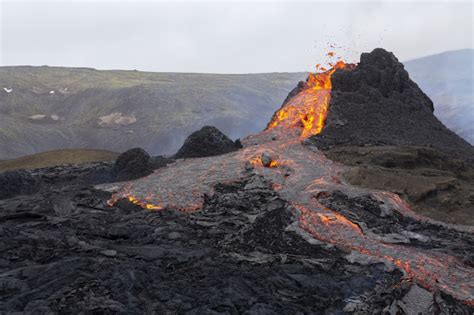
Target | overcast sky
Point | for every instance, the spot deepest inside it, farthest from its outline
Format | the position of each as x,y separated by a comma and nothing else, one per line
224,37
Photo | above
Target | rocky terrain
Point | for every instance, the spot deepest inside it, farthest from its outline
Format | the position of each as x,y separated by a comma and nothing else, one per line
65,250
266,225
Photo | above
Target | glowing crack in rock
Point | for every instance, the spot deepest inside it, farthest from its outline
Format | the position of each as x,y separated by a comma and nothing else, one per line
299,173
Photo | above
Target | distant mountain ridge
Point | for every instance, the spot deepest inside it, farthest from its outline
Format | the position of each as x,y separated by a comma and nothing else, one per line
447,78
49,108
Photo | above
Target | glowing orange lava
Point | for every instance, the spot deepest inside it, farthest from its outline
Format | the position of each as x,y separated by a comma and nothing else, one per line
257,161
308,110
136,201
299,173
142,204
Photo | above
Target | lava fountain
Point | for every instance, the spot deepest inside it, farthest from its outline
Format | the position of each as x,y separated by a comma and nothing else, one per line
299,173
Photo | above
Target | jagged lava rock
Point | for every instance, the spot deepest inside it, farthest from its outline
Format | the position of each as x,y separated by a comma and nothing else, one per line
17,182
208,141
376,103
132,164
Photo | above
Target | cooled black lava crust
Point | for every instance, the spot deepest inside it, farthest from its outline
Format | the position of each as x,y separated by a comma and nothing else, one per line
377,103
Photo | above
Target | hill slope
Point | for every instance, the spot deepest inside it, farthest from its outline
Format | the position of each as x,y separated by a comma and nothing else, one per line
48,108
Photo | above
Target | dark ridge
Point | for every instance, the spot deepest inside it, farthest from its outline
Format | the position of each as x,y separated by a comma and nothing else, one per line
377,103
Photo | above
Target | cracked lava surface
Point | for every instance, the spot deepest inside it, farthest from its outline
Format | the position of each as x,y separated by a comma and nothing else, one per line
299,172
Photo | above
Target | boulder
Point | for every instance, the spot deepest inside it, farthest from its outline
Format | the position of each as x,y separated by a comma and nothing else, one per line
208,141
132,164
266,159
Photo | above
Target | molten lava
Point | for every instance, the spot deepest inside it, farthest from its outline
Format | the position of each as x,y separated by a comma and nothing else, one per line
298,175
308,110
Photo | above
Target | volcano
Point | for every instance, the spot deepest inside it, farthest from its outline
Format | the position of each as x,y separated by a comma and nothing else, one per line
376,103
271,228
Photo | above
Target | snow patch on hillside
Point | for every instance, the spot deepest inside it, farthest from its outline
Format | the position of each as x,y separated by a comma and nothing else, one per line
37,117
44,117
116,119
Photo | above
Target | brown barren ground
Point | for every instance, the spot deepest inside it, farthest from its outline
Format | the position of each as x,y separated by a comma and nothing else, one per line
434,184
57,157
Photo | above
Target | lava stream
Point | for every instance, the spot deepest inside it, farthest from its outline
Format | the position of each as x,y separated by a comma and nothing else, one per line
309,108
299,173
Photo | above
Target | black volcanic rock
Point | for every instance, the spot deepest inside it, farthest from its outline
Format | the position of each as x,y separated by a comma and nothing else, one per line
208,141
377,103
30,181
17,182
132,164
238,255
432,182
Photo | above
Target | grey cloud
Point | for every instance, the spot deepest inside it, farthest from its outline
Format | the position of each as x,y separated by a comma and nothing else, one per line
232,37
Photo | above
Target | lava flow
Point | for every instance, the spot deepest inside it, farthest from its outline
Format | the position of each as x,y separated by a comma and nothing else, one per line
309,108
300,172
